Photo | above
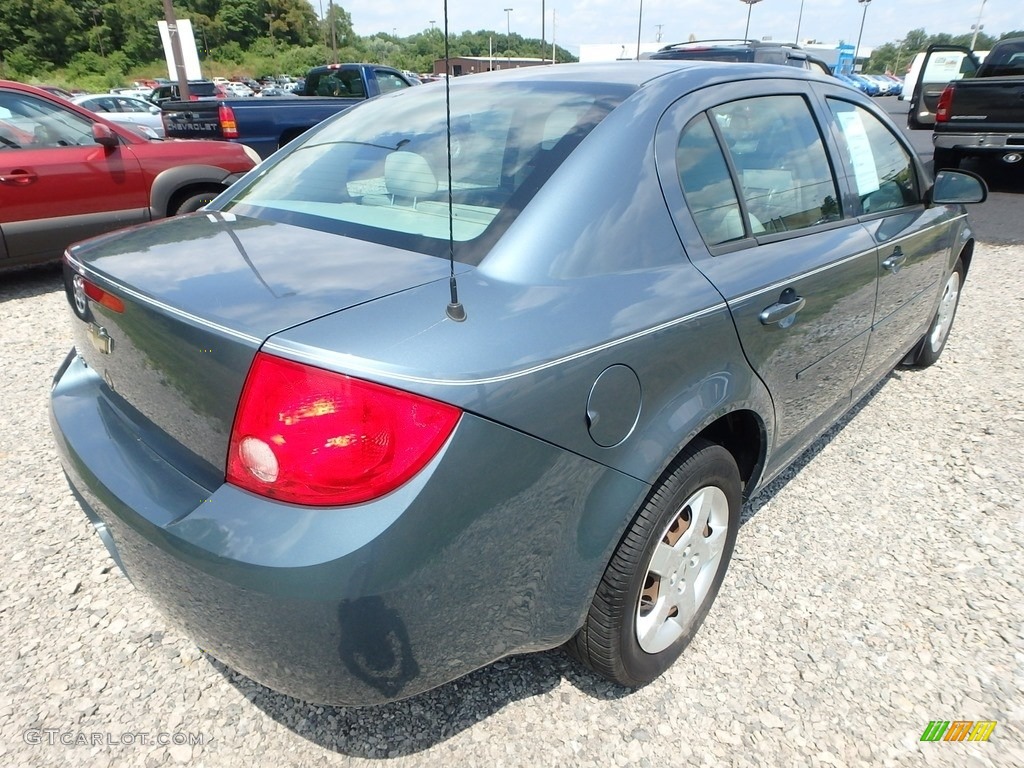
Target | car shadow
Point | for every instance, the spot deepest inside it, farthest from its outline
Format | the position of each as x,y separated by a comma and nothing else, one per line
409,726
30,282
756,502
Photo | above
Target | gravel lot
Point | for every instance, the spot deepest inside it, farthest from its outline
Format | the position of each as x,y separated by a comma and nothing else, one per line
875,587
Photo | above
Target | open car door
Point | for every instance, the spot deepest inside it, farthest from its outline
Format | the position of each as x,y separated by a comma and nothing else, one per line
942,64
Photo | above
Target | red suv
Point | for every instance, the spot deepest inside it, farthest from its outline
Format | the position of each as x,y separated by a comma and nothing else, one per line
67,174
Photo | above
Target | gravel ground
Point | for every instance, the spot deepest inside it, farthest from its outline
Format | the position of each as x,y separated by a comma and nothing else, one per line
875,587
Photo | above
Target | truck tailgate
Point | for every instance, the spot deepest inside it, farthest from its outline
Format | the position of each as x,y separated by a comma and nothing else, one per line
989,104
192,119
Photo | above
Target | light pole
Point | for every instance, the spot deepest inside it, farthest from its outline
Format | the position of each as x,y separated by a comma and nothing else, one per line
543,13
508,35
977,25
334,33
799,18
639,26
750,5
432,23
856,51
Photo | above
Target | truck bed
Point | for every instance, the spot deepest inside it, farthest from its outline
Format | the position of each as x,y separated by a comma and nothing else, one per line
263,124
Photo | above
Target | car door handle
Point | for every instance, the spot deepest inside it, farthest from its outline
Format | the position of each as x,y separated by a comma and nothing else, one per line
784,310
18,178
896,261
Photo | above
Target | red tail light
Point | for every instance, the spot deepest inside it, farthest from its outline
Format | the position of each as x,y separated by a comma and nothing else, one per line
942,109
308,436
97,294
228,126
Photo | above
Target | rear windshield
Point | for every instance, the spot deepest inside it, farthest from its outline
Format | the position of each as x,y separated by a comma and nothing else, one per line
1006,60
202,89
379,171
336,82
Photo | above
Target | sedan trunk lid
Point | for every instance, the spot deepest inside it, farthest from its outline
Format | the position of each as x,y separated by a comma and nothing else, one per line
171,315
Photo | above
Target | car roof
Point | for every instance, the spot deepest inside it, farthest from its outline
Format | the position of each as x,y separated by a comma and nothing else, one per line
639,73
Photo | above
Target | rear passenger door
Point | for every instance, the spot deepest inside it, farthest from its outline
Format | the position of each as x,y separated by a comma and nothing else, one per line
758,207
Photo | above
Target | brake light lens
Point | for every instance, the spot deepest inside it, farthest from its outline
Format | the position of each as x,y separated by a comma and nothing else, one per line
101,297
228,126
308,436
942,109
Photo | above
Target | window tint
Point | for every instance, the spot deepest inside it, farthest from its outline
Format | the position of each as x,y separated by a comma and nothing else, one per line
706,183
783,171
1007,60
338,82
883,171
389,81
131,105
378,172
31,123
105,104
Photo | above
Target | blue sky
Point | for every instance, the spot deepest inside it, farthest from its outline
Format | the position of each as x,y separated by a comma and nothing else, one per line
614,21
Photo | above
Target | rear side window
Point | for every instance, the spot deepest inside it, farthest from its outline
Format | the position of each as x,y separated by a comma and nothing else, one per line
389,81
883,171
782,169
707,185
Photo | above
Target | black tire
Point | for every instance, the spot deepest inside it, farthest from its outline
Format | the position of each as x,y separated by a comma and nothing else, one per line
945,158
633,600
930,347
194,203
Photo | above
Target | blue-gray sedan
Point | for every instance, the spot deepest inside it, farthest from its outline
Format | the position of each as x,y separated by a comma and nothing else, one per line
418,393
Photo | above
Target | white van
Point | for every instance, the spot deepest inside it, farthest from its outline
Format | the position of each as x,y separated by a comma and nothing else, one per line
951,60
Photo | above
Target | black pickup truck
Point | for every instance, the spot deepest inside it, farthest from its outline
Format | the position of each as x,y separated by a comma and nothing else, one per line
974,109
270,123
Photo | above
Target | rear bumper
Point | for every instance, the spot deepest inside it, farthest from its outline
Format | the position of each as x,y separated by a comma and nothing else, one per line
980,143
363,604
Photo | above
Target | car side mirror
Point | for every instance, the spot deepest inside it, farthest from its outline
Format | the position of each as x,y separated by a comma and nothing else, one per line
154,110
103,136
958,187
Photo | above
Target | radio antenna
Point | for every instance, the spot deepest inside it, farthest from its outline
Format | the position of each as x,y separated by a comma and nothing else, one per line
455,310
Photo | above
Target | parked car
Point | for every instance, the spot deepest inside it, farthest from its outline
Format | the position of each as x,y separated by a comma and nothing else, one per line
138,93
237,90
56,90
885,86
198,90
67,174
275,91
867,86
855,84
268,126
742,51
975,108
896,84
364,426
122,109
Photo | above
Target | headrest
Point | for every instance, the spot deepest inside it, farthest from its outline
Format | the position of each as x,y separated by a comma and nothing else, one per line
407,174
